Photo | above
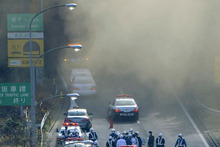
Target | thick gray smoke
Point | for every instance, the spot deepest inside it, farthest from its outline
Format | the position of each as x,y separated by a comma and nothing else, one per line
172,42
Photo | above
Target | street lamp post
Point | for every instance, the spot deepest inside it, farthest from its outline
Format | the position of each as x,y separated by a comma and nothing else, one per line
33,110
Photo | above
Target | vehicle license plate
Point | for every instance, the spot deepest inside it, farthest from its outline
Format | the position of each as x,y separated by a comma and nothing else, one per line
126,114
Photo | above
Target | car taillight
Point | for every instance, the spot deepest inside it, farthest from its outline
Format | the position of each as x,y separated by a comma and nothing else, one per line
85,119
135,110
75,88
117,110
93,88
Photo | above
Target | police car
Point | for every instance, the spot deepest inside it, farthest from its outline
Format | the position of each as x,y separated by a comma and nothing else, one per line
71,128
123,106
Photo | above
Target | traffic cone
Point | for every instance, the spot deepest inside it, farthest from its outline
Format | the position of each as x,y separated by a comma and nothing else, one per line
111,123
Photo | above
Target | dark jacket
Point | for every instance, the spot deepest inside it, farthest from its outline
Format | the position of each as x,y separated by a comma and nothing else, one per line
180,142
160,141
150,141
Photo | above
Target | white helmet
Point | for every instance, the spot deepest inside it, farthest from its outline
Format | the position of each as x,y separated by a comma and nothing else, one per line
113,130
131,130
124,132
110,137
121,136
160,135
75,130
118,133
91,129
129,135
180,135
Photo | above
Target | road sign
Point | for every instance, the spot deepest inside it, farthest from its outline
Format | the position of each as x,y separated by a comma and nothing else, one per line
15,94
24,62
20,48
20,22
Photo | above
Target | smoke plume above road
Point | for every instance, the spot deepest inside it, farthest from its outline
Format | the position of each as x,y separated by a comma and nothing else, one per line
167,41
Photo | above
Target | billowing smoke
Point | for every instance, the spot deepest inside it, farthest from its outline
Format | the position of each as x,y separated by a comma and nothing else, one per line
171,42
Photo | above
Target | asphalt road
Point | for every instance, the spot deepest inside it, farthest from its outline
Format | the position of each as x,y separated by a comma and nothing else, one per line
159,112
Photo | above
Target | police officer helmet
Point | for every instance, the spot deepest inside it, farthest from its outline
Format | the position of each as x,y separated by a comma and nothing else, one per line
91,129
113,130
129,135
121,136
75,130
124,132
137,133
160,135
131,130
118,133
110,137
180,135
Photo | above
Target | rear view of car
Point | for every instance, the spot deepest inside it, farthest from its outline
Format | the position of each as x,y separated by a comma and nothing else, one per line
123,106
79,116
84,85
79,72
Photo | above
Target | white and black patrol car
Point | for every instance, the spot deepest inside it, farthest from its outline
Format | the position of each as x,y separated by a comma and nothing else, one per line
123,106
71,129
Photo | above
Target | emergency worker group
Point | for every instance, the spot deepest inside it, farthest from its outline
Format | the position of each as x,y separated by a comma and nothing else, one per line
117,139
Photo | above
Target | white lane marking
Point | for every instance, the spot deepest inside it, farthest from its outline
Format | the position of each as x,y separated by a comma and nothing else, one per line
192,122
210,109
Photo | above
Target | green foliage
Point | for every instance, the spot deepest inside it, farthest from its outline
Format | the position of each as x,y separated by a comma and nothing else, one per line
13,131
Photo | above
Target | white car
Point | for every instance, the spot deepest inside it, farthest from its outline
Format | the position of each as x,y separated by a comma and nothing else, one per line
71,127
83,85
79,72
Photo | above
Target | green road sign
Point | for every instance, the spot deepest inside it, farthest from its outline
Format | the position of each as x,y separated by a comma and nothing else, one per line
20,22
15,94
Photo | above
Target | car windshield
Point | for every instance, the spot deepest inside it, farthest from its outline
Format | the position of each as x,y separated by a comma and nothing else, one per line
77,113
124,102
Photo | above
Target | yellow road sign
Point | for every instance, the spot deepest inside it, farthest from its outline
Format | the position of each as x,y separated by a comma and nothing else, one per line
20,47
24,62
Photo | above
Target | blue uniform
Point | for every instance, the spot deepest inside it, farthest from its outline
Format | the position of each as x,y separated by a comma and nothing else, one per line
181,142
93,136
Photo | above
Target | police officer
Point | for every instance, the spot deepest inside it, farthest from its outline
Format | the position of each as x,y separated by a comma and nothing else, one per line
65,132
139,140
128,139
134,140
131,131
92,135
113,134
150,139
121,141
110,142
180,142
95,144
160,141
75,133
